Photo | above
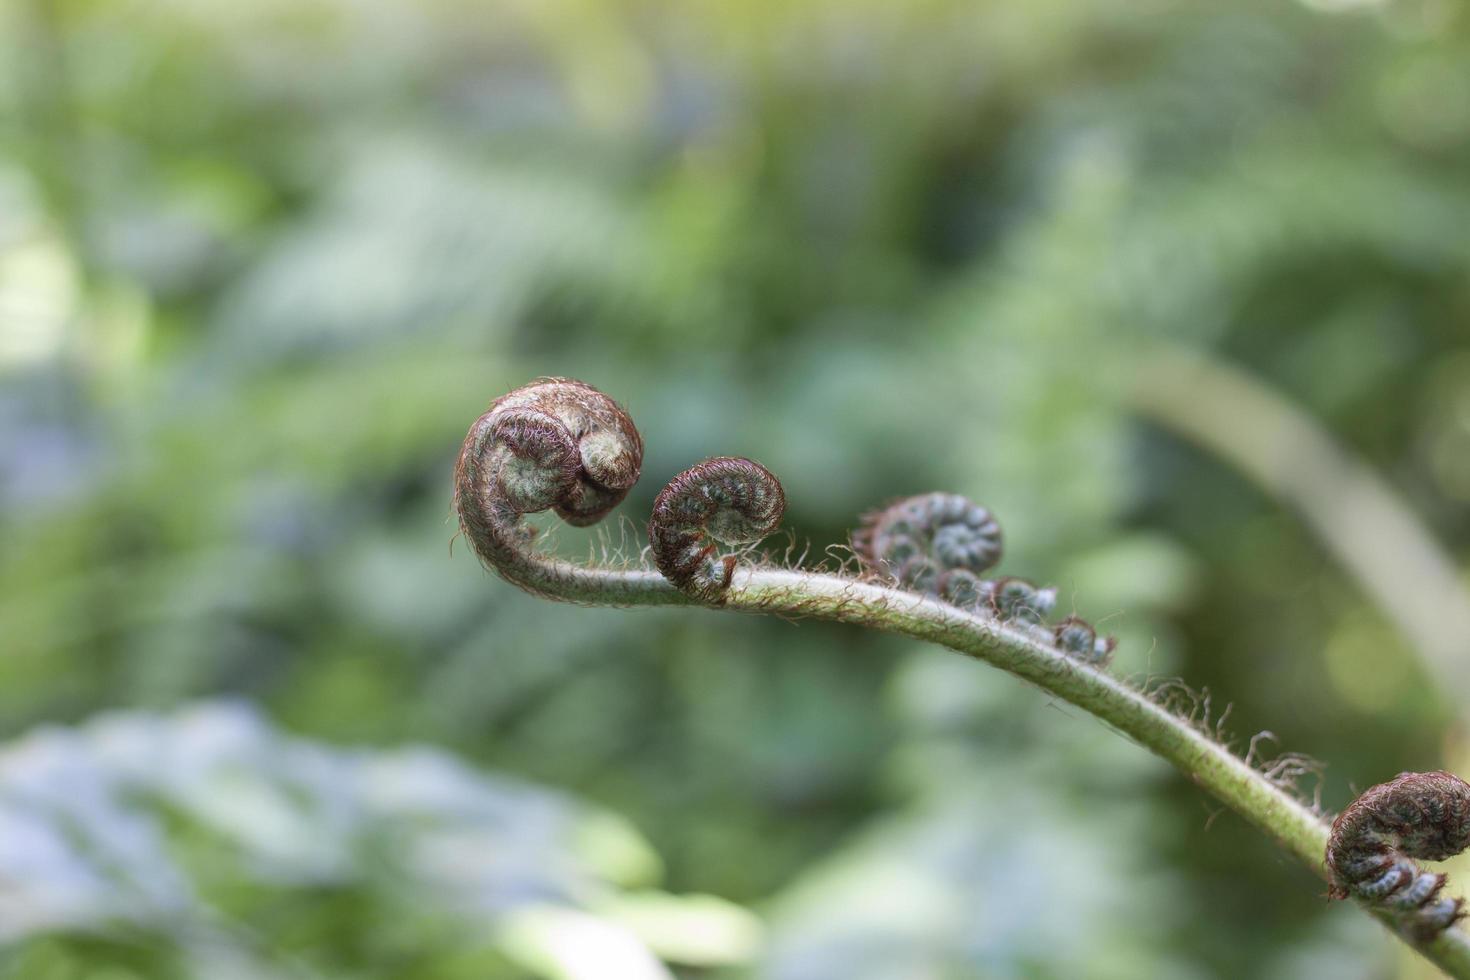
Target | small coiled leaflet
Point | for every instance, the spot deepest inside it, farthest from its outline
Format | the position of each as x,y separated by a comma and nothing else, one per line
725,500
939,543
1375,842
916,540
1017,600
552,444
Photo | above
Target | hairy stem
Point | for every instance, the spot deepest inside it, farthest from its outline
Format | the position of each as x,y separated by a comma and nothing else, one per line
1205,762
561,444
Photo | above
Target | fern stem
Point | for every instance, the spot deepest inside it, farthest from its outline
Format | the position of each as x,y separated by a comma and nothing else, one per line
1207,763
561,444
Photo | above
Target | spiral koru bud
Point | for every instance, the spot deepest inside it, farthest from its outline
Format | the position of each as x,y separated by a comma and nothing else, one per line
919,540
721,501
939,543
1375,841
554,443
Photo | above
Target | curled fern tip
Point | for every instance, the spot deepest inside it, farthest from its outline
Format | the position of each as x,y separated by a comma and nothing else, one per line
1375,842
938,544
721,501
552,444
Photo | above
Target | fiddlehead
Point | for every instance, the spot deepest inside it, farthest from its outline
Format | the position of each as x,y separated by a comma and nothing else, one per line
939,543
557,443
1374,843
916,540
554,443
724,500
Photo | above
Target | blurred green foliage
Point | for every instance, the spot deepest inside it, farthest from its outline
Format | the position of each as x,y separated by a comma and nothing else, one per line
261,264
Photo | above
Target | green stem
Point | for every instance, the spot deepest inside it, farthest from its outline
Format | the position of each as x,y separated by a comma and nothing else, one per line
1207,763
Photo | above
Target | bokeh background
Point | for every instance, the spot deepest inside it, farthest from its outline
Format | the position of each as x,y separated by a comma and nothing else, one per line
1178,289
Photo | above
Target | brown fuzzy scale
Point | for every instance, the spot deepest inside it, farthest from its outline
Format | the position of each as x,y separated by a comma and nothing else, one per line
723,500
554,443
1374,843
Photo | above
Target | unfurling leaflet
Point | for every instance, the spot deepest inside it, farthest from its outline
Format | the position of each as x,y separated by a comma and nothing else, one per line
1375,842
1016,599
554,443
916,540
725,500
939,543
